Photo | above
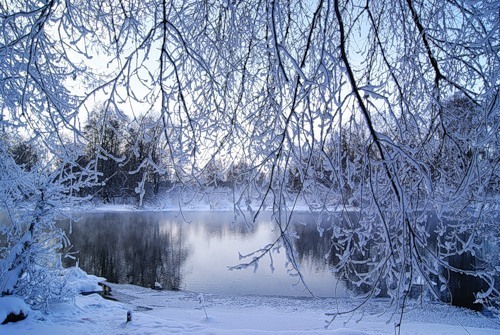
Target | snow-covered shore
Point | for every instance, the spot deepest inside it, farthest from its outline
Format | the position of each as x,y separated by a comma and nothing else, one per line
219,199
163,312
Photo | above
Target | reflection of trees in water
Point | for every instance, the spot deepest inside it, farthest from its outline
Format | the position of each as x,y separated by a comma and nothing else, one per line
130,248
222,224
311,246
321,250
458,287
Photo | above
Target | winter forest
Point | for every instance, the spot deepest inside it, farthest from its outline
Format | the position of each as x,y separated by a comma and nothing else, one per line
377,114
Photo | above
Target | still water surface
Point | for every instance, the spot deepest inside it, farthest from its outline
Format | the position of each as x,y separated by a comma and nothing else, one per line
193,251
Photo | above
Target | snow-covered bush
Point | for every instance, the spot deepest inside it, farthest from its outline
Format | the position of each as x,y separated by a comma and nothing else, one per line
30,243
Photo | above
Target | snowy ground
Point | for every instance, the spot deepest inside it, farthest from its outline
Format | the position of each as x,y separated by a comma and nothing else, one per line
163,312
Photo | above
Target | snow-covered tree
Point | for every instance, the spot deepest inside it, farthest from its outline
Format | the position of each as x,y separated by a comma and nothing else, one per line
30,241
37,104
282,83
104,132
144,164
24,155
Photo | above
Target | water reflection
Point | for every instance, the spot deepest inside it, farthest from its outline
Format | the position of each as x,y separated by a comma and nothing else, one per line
193,252
128,248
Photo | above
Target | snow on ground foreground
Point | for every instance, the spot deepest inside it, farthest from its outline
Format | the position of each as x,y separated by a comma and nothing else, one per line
12,305
163,312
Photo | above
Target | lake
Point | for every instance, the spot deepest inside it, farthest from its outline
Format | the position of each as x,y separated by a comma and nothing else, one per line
193,250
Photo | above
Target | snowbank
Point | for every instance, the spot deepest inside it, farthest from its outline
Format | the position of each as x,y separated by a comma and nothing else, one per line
12,305
81,282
